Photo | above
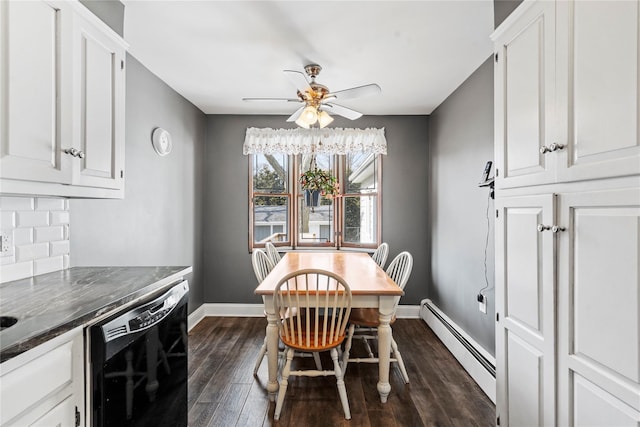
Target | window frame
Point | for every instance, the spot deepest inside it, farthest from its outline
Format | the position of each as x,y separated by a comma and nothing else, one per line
295,202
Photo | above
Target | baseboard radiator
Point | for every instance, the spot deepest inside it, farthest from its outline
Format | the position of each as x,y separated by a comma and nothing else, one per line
480,365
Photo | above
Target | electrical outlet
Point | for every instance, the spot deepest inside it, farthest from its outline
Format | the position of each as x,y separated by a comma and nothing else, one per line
482,304
6,237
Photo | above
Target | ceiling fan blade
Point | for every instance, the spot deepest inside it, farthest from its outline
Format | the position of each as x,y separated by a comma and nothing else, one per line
342,111
294,116
272,99
355,92
298,80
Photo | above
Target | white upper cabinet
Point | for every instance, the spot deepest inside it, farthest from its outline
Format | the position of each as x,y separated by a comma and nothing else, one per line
524,98
34,82
62,101
99,106
597,89
566,92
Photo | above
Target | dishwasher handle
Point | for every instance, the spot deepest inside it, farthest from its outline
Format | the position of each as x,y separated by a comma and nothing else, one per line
146,315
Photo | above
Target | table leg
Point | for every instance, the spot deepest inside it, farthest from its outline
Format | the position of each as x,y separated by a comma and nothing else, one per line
384,347
272,348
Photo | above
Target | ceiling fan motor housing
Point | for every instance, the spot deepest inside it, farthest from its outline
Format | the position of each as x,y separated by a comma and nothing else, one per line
312,70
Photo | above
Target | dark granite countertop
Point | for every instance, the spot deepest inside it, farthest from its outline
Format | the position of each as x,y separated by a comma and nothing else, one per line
51,304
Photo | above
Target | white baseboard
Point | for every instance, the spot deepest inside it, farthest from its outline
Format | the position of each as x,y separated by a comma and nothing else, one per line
476,370
257,310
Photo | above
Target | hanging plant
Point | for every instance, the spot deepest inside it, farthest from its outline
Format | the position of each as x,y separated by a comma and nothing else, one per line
320,180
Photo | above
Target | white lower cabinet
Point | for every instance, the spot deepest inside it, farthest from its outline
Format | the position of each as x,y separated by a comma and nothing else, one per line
525,299
568,308
45,386
599,308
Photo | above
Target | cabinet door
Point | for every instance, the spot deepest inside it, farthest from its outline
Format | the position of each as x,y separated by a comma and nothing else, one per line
524,98
525,328
61,415
34,91
599,308
598,87
99,91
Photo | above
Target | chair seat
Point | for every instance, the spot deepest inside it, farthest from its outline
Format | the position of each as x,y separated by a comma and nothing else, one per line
367,317
294,342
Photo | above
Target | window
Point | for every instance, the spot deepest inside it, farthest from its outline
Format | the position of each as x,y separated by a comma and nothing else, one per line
278,212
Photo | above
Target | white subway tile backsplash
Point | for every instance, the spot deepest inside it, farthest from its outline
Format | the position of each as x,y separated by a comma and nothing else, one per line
47,265
49,234
43,204
33,251
40,228
59,217
32,218
11,259
17,271
7,220
22,236
59,248
16,203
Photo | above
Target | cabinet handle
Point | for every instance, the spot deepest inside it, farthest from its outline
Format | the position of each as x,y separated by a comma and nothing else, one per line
542,228
544,149
74,152
555,146
557,229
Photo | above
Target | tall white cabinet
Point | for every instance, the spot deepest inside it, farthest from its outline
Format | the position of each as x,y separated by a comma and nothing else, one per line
62,83
568,214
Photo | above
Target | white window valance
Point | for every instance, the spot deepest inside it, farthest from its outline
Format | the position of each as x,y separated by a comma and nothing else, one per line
305,141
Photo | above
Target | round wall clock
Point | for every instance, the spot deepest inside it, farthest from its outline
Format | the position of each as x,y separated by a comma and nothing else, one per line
161,140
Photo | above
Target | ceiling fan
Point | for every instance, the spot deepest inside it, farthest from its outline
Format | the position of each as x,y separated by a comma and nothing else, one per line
317,100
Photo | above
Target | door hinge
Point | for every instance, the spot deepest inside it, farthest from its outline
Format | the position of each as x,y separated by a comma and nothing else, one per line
498,420
122,64
77,417
497,172
497,317
497,213
496,56
121,174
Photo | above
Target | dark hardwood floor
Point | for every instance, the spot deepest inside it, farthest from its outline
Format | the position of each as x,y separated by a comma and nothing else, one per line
223,391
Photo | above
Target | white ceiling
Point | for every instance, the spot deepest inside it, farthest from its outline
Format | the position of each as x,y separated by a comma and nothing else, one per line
214,53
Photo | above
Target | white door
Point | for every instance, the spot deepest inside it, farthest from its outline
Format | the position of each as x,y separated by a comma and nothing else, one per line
99,91
598,87
525,300
524,99
599,309
34,92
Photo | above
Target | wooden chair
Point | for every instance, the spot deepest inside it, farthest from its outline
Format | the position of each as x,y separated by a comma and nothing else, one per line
272,252
322,303
262,265
363,322
380,254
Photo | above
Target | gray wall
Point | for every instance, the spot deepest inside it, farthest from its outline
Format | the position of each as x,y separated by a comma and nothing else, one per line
159,221
461,136
110,11
228,274
502,9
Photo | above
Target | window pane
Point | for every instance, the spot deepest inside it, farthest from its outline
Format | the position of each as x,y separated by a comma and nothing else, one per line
270,173
360,219
315,225
361,174
270,214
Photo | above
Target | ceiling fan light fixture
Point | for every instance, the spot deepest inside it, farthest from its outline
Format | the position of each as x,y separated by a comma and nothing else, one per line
310,114
324,119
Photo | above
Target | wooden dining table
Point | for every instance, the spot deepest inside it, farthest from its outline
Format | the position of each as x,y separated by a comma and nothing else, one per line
370,288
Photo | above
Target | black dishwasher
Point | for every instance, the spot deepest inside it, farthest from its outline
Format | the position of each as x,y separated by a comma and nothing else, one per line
138,363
